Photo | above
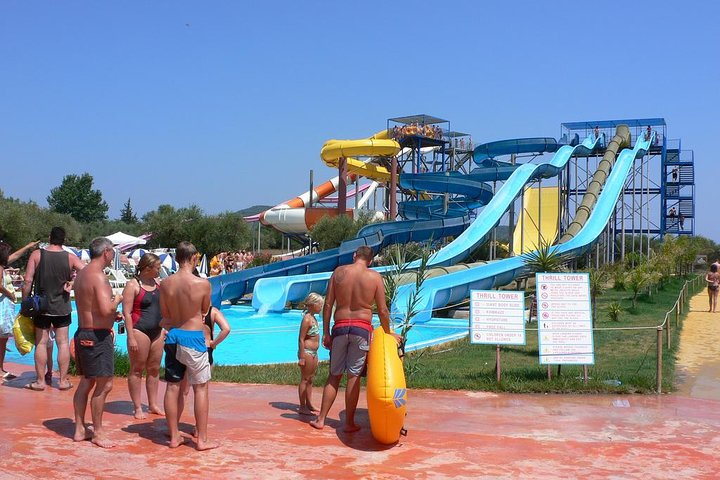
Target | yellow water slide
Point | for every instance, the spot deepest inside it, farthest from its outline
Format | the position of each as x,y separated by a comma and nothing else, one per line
546,223
379,145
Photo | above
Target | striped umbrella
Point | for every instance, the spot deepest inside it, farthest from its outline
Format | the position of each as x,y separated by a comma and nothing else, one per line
203,267
116,260
138,253
167,261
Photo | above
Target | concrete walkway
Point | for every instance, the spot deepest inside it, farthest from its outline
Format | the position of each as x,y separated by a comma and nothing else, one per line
452,434
698,357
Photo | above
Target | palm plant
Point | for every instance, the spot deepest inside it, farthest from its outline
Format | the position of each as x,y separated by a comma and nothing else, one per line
393,280
613,311
545,258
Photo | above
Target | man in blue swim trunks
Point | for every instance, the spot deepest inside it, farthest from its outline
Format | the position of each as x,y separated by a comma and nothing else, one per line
352,289
184,301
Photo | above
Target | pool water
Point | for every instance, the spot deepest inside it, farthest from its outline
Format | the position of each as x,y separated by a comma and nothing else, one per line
267,338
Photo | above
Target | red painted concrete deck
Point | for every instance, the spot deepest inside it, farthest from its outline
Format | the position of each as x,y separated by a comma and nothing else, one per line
451,435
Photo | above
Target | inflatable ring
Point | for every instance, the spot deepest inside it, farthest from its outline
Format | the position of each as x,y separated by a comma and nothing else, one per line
386,389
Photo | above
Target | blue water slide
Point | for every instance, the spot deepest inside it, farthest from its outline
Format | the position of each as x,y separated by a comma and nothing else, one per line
458,250
376,236
515,146
474,193
274,293
454,288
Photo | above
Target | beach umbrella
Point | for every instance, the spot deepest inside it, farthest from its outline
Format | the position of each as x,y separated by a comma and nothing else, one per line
167,261
203,267
116,260
138,253
83,254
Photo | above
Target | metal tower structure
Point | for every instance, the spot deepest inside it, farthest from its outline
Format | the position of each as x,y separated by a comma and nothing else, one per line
658,197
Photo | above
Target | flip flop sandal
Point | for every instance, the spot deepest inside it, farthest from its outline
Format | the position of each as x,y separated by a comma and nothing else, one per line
35,388
66,387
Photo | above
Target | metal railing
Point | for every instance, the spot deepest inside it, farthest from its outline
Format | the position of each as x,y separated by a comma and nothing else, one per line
674,313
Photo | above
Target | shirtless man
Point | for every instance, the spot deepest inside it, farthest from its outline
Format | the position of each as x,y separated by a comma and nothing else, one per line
352,289
184,302
94,348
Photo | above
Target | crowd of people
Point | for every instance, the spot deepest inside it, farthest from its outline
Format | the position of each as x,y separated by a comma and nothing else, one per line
229,262
415,129
174,318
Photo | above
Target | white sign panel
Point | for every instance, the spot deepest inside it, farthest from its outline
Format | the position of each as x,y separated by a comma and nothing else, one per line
497,317
565,333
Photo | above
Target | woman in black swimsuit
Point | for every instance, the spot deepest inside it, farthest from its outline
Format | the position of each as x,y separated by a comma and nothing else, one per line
145,339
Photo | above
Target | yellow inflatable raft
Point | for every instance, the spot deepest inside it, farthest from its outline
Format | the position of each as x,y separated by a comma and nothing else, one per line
386,391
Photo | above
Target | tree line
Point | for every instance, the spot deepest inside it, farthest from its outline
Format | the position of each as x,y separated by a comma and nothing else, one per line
80,209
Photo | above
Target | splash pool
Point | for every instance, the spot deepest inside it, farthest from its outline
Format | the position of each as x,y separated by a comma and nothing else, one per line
267,338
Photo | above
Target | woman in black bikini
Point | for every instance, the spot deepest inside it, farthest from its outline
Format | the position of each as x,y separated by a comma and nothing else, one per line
145,339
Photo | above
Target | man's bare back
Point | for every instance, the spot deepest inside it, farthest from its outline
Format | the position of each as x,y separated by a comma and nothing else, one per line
355,288
184,300
94,298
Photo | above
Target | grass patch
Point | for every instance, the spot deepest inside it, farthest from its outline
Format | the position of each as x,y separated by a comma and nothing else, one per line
627,356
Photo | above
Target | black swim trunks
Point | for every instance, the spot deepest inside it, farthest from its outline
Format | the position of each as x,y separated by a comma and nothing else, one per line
94,352
56,321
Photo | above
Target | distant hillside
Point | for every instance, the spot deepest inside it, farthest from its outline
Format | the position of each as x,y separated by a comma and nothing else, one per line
246,212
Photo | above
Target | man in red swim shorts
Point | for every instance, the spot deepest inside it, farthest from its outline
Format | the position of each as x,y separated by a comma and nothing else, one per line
352,289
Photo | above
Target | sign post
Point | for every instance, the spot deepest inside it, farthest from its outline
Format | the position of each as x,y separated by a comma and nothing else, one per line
497,318
565,335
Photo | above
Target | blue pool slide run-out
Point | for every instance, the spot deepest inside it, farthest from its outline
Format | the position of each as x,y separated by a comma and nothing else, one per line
452,288
376,236
272,294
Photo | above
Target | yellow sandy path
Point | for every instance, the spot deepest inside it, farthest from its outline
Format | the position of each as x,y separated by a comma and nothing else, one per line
698,358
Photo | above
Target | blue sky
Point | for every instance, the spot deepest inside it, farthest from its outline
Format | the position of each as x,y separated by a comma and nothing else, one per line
227,104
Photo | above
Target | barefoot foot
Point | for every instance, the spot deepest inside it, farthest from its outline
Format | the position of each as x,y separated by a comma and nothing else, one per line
139,414
349,428
176,442
155,410
102,442
202,445
82,434
317,423
306,411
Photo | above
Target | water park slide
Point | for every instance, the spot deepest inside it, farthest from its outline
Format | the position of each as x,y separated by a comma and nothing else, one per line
234,285
474,194
533,228
515,146
274,293
379,145
493,212
620,139
453,288
301,220
290,215
549,219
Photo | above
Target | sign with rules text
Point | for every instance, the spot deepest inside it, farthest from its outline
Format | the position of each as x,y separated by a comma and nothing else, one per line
565,334
497,317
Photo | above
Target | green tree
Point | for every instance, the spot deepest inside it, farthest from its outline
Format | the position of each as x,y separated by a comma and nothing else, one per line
103,228
210,234
23,222
127,214
636,280
76,197
222,233
598,279
330,232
